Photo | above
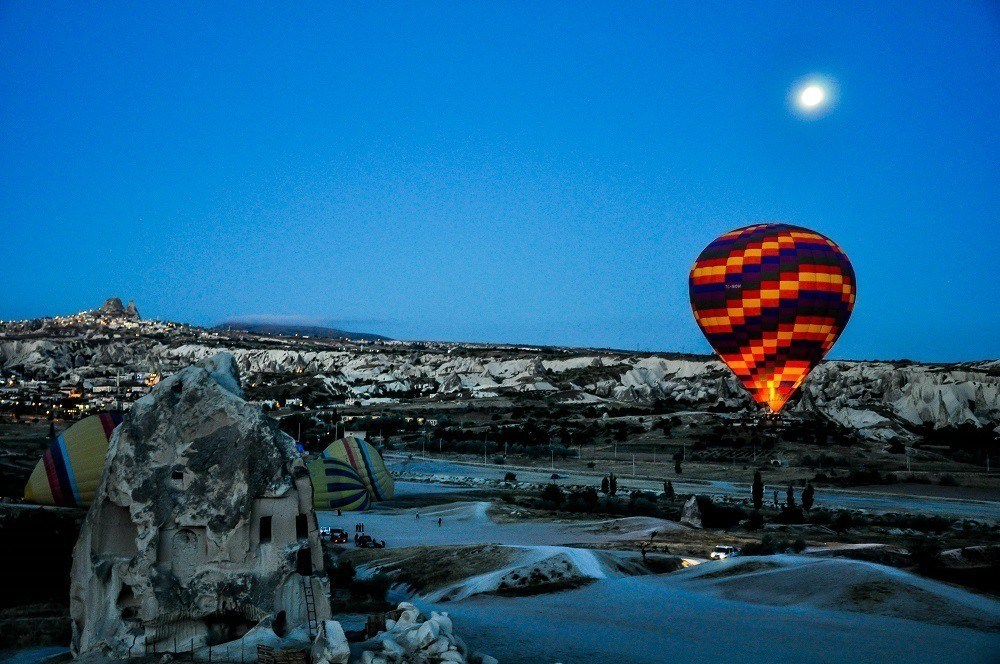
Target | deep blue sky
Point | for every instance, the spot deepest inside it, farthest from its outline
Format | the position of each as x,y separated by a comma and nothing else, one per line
540,173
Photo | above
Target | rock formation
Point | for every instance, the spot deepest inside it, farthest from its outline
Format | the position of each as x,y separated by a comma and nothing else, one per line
691,513
112,308
202,526
409,637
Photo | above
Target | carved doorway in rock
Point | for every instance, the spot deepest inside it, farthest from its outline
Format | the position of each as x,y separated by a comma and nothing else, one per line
186,553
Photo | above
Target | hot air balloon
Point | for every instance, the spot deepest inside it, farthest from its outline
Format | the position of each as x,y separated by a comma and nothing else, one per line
772,299
69,471
336,485
366,462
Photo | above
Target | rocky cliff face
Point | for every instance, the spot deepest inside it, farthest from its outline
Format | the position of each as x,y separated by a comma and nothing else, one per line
202,526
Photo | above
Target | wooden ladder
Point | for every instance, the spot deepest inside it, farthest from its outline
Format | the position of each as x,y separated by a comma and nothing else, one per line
307,588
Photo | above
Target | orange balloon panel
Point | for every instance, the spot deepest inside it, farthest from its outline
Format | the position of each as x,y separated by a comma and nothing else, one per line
772,299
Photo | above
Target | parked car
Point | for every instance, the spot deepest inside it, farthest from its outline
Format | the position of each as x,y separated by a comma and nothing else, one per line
335,535
722,552
368,542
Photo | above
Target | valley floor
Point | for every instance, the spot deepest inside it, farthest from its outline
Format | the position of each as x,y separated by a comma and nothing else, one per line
775,609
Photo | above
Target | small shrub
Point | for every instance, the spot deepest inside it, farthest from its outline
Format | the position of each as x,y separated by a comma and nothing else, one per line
552,493
842,522
643,507
947,480
586,499
790,515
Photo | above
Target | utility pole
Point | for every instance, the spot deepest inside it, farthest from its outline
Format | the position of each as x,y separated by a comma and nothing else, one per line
633,465
907,459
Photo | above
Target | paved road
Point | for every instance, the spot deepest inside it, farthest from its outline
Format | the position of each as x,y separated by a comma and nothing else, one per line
980,510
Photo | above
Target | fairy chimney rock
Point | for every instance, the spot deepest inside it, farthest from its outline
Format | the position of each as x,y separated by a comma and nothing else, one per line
202,527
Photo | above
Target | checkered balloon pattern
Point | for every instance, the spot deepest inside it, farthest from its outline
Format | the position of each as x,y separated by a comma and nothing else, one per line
772,299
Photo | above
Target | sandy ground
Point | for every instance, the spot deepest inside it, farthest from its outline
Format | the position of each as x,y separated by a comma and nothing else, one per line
665,619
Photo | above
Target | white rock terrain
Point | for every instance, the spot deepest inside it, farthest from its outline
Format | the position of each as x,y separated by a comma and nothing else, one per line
881,400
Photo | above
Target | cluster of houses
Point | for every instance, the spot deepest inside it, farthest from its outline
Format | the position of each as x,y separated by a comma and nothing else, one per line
24,399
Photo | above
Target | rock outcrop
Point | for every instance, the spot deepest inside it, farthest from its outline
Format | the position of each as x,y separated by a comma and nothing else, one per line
330,646
691,513
112,308
409,637
202,526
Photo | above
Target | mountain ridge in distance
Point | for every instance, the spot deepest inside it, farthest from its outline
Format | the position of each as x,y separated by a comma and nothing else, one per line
292,329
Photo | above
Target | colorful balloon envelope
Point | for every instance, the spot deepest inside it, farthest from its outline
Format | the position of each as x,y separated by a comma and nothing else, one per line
366,462
772,299
337,486
69,471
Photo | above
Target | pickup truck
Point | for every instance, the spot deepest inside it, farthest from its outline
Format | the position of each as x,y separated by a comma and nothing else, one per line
722,552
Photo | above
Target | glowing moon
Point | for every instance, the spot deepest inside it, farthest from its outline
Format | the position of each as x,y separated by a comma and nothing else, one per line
812,96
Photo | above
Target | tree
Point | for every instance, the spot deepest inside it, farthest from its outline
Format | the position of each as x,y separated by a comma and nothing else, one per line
645,545
604,485
621,433
677,465
613,484
668,490
757,491
790,502
808,495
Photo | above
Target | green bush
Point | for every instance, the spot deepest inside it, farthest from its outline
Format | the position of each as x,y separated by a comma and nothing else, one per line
552,493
